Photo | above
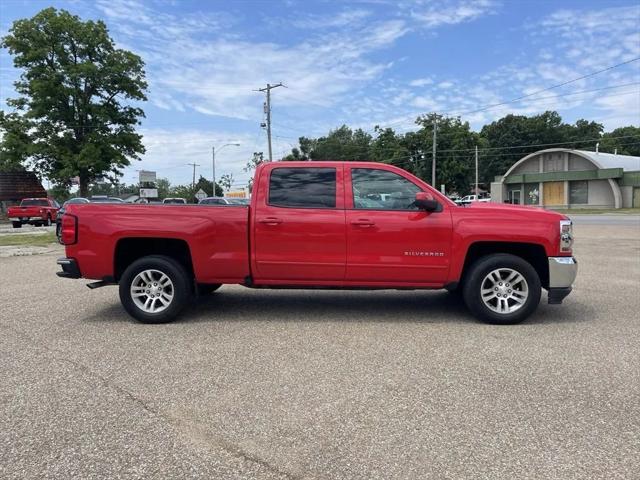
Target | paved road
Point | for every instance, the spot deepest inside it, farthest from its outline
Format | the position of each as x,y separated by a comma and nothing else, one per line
300,384
602,219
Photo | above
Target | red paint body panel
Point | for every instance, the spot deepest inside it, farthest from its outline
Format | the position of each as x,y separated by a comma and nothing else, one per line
339,247
217,236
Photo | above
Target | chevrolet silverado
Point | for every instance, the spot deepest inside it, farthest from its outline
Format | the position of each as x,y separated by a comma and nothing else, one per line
350,225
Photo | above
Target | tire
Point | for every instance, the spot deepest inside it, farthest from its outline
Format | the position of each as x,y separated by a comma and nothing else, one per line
48,222
208,288
168,301
508,299
16,224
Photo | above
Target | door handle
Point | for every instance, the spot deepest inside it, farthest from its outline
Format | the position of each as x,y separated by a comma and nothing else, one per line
363,222
271,221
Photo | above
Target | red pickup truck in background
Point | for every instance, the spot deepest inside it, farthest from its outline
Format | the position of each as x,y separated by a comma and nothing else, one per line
35,211
324,225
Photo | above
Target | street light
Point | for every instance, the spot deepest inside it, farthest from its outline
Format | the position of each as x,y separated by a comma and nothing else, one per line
213,158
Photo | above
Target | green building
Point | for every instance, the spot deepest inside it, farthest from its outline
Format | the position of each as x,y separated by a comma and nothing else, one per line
566,178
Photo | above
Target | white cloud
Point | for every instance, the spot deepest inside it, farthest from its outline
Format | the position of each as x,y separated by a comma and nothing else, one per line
434,14
346,18
169,151
217,74
420,82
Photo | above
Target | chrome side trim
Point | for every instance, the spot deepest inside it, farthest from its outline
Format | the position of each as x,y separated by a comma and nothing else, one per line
562,271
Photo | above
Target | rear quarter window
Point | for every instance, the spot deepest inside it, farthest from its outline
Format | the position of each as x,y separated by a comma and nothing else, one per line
303,187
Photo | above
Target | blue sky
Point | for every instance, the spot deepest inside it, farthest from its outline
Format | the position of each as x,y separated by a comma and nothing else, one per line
361,63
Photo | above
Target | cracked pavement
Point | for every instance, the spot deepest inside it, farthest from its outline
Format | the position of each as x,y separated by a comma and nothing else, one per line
322,384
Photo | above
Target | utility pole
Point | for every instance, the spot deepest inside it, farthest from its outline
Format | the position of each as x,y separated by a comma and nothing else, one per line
194,165
476,170
267,110
433,163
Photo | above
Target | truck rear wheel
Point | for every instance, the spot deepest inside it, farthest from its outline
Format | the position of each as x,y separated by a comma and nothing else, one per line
154,289
502,289
17,224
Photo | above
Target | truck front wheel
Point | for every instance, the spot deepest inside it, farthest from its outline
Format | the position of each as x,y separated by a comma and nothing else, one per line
17,224
154,289
502,289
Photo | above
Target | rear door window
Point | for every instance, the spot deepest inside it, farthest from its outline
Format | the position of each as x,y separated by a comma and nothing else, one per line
303,187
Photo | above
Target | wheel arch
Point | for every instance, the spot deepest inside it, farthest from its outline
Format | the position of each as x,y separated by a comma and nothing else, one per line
130,249
532,253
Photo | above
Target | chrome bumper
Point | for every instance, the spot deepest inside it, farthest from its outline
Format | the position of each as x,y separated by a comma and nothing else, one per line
562,271
24,219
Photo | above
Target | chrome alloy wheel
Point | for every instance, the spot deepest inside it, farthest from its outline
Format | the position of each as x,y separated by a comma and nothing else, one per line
152,291
504,290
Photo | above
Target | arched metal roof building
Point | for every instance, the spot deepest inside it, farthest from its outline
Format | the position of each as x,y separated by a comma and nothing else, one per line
566,178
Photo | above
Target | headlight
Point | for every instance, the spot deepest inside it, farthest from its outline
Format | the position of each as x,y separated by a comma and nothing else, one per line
566,235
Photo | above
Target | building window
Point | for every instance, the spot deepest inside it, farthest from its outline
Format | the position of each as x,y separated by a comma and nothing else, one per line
579,192
532,194
303,187
553,162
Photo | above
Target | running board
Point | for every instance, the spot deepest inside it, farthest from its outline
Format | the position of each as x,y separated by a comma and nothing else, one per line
98,284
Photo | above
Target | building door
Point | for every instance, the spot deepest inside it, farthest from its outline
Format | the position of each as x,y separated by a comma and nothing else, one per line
553,193
636,198
514,197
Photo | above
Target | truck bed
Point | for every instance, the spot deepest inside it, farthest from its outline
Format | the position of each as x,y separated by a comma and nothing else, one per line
217,236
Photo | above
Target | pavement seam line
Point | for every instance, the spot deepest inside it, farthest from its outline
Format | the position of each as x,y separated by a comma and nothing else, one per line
173,421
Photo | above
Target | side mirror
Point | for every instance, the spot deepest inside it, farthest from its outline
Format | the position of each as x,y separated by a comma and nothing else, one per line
425,201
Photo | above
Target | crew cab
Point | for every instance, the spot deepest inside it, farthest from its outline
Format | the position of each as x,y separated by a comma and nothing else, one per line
350,225
34,211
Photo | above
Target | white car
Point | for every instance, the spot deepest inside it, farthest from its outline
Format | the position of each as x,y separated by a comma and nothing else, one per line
473,198
176,200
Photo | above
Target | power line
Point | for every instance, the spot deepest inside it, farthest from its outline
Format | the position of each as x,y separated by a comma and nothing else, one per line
552,87
481,109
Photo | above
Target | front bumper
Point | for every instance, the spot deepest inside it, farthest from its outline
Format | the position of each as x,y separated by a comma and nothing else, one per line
69,268
562,273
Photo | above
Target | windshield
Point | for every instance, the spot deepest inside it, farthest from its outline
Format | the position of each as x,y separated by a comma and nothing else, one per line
34,203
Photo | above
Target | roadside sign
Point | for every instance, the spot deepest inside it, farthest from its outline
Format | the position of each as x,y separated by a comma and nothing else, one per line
147,176
236,194
148,193
201,194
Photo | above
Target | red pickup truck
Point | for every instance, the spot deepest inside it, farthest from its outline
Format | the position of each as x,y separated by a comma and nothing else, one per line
36,211
350,225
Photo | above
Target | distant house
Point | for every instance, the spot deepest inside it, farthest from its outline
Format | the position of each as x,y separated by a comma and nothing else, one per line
14,186
566,178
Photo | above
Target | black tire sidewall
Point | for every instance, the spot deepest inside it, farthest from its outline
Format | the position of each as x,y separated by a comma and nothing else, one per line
481,268
171,268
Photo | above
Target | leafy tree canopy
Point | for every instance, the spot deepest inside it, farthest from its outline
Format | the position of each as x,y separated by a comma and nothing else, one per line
78,102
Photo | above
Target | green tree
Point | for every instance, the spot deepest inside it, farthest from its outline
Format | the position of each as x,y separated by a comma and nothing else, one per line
340,144
71,118
164,187
226,181
629,144
514,136
256,160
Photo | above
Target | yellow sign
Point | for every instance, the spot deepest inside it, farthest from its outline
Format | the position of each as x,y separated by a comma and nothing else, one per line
236,194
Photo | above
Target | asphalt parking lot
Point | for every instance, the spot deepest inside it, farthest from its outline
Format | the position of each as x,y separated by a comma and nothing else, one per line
323,384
